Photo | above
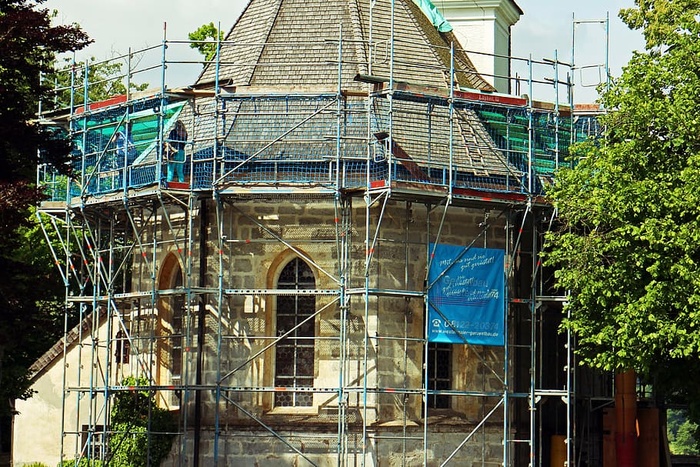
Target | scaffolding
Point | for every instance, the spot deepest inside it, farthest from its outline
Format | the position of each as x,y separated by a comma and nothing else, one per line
329,201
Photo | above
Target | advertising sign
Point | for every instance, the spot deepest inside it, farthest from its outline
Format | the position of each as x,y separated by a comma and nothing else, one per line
466,302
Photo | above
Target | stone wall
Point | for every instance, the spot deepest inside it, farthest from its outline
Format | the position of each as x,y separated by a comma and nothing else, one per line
381,354
385,447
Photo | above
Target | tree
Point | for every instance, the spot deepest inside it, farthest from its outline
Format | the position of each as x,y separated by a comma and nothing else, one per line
682,433
628,248
29,44
202,36
104,79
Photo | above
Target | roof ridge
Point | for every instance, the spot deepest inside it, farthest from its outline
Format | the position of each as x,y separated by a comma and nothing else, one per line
253,8
204,69
267,37
42,363
418,17
447,38
358,34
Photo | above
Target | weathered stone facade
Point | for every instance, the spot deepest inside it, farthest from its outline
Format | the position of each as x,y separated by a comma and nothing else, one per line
275,301
370,352
387,447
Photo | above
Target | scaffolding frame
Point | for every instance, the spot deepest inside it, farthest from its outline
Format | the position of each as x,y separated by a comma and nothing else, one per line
105,232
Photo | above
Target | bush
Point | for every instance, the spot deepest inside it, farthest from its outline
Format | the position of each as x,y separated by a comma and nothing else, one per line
133,443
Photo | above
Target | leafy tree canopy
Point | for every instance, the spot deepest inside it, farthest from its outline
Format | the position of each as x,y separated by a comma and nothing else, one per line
104,79
31,317
629,245
682,433
29,44
206,37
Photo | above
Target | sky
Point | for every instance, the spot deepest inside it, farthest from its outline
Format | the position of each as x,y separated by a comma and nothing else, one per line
545,29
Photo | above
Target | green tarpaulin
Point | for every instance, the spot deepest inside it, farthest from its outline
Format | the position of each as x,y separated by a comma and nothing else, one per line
434,15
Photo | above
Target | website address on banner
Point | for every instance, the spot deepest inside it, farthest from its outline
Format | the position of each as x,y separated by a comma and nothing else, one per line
466,333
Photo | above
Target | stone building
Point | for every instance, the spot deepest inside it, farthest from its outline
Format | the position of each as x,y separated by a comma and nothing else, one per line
347,274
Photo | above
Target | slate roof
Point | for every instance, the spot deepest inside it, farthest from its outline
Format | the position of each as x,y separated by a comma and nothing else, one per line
295,42
293,45
81,330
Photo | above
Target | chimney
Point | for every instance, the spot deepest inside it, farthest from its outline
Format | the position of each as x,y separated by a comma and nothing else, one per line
484,26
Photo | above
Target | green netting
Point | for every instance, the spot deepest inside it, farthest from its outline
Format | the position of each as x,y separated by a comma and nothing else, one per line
97,131
509,130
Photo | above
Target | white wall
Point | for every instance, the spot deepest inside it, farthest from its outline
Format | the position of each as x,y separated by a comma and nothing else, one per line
484,26
37,428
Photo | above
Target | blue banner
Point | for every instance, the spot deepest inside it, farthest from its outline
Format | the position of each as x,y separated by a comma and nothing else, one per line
466,295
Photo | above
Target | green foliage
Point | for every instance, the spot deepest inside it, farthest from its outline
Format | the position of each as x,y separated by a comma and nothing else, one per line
25,260
628,248
29,44
104,79
30,316
206,36
82,463
682,433
36,464
662,22
142,432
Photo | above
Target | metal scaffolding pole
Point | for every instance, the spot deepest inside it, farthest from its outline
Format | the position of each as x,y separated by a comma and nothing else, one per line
142,227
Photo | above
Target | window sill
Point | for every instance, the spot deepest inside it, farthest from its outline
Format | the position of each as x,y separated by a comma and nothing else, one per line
293,411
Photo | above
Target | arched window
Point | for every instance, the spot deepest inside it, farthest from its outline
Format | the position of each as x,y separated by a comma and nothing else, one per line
294,356
169,330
